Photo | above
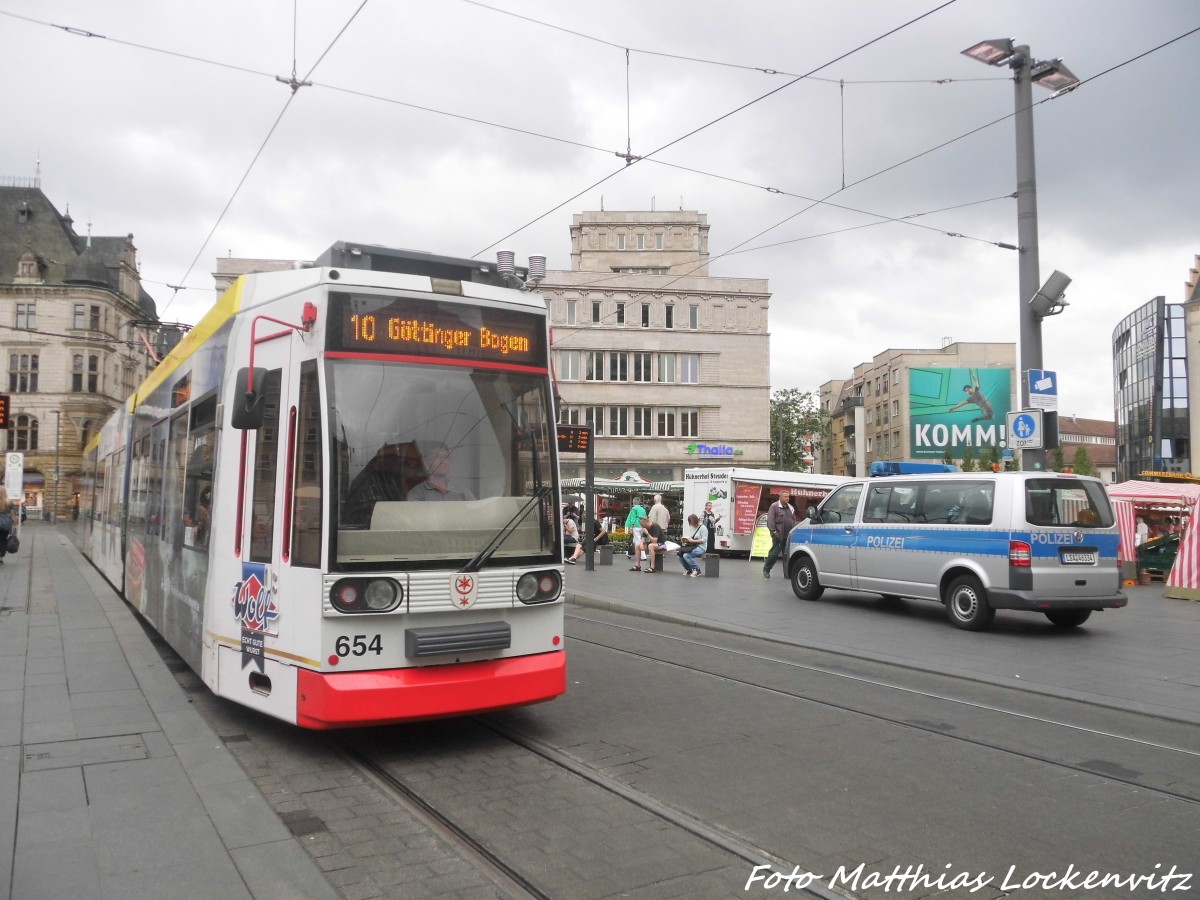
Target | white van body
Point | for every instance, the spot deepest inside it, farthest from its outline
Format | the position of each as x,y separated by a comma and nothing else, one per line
740,497
977,542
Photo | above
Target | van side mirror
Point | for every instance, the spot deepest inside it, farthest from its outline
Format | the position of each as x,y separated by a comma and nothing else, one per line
248,407
812,515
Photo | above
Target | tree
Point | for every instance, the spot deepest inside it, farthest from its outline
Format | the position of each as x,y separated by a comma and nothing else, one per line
968,460
1081,464
989,458
1057,463
797,422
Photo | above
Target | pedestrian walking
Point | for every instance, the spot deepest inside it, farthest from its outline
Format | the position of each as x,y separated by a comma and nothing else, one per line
781,519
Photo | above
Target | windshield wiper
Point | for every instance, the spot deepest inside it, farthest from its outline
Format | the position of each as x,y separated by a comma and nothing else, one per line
502,535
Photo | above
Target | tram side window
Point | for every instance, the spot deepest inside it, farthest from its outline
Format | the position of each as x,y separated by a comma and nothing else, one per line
197,491
174,471
138,469
306,518
266,464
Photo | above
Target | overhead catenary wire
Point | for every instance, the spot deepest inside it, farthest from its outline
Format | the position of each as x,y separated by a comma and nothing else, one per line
727,115
263,146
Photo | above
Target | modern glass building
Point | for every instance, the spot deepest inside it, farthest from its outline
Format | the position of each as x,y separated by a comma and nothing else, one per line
1151,391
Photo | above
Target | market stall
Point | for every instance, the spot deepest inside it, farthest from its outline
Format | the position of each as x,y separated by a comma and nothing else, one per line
1161,509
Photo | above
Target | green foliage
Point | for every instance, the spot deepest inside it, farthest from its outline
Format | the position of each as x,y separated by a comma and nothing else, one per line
989,456
1081,464
968,460
796,420
948,457
1057,463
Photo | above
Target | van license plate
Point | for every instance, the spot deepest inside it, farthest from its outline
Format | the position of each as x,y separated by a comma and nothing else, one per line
1076,558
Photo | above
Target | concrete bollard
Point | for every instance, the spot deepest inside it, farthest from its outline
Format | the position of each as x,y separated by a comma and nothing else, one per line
604,555
712,565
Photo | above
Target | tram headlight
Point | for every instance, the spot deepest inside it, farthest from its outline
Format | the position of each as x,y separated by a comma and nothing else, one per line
365,595
381,595
539,587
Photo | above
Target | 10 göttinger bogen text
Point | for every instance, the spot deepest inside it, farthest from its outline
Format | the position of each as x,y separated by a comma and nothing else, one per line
905,879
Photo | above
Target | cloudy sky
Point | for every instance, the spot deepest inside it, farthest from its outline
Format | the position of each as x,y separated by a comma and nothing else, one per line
458,127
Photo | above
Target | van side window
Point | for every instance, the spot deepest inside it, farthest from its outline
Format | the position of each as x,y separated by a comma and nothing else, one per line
892,503
1050,501
841,505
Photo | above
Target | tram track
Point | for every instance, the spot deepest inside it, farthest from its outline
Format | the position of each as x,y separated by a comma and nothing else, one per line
943,730
503,871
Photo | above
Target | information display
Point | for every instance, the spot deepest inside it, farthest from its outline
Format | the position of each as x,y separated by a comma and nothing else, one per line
574,438
415,326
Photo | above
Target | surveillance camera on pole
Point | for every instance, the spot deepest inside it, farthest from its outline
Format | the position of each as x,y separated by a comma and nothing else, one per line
1048,301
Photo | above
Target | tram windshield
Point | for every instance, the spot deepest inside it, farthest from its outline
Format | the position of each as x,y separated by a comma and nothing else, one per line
432,463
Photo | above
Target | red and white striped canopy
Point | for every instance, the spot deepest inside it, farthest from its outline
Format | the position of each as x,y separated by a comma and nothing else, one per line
1183,581
1179,493
1123,509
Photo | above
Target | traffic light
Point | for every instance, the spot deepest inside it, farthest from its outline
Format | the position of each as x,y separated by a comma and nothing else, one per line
4,416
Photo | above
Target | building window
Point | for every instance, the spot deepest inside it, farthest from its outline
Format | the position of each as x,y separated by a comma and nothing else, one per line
77,373
658,241
670,321
666,423
595,311
641,242
689,368
570,312
618,421
645,315
693,317
569,415
620,242
593,365
80,318
618,367
23,372
642,366
895,407
594,416
689,423
620,313
27,316
94,319
643,421
666,368
25,433
85,434
568,365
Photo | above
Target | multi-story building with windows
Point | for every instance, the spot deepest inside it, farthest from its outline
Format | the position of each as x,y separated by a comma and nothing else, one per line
1150,377
671,366
71,306
918,405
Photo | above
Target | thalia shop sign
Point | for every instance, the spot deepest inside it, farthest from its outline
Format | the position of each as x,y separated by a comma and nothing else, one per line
698,449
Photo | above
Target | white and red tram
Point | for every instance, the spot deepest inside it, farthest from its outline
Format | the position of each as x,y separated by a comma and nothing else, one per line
264,499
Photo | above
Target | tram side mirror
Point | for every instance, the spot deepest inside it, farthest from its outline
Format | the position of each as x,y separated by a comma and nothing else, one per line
249,406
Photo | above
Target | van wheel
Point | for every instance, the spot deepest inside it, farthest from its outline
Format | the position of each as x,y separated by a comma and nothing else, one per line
1069,618
967,604
805,583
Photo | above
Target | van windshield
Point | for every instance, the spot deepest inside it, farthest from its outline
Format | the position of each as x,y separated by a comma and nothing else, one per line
1065,501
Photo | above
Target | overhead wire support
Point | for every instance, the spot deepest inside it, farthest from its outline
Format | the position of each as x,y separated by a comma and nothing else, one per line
294,83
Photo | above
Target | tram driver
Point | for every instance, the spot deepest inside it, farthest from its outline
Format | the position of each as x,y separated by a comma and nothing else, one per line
437,484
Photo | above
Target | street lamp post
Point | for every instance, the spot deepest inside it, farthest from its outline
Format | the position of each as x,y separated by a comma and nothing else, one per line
1054,75
57,449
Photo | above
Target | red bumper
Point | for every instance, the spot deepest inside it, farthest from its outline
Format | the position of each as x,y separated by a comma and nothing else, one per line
397,695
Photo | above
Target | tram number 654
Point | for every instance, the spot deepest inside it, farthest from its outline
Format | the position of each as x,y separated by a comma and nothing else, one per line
358,645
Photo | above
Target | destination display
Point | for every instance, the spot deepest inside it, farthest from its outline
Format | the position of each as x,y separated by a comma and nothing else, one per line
412,326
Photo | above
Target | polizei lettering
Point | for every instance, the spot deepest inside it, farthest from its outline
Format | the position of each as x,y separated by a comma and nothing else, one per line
942,435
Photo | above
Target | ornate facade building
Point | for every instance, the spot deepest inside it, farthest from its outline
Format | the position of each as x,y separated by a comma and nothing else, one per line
670,365
77,330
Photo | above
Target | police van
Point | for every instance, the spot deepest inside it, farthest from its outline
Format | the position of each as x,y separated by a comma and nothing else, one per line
976,542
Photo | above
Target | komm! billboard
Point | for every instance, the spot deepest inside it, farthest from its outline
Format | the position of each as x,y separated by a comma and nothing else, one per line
953,409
